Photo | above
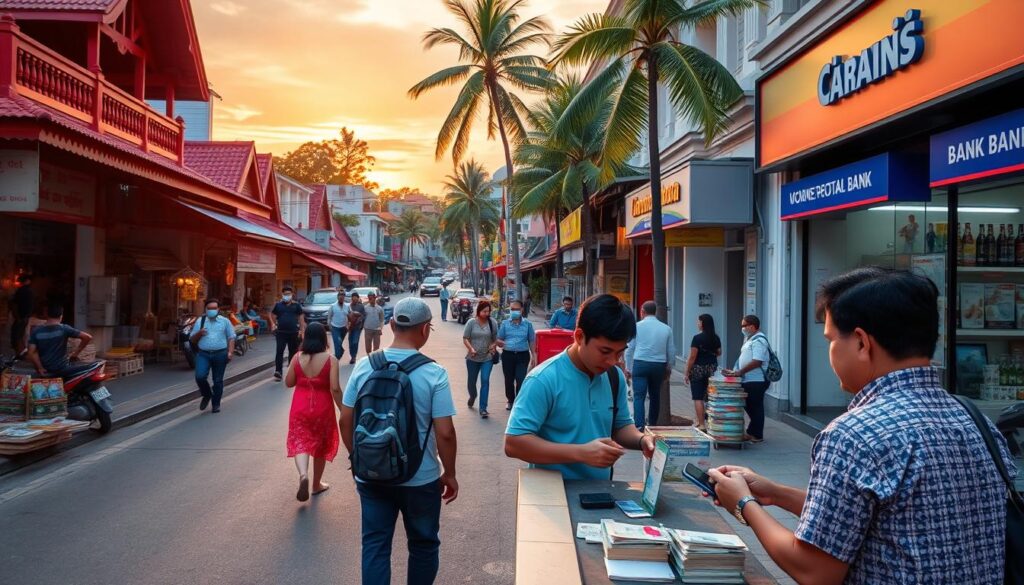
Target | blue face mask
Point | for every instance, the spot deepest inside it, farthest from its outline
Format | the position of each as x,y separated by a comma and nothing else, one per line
515,315
212,313
746,332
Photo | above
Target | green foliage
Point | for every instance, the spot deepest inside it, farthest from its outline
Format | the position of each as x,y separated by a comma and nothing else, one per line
346,219
538,290
342,161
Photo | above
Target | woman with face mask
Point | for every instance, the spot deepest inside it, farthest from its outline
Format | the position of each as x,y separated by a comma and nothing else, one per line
518,341
753,355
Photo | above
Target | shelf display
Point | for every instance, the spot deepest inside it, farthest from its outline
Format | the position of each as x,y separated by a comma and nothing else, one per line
972,306
1000,305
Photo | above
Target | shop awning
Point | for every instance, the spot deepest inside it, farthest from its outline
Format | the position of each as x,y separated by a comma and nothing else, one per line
152,259
237,224
500,270
336,266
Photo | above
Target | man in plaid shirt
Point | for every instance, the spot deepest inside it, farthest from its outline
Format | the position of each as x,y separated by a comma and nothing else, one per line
902,489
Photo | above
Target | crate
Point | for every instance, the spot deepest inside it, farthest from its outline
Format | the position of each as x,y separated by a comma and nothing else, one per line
121,365
685,445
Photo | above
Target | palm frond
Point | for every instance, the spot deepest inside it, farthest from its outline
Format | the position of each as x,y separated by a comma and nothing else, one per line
593,37
447,36
627,120
700,87
460,116
589,100
444,77
709,11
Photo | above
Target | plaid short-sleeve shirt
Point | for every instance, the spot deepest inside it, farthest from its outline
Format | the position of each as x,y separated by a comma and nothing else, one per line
903,489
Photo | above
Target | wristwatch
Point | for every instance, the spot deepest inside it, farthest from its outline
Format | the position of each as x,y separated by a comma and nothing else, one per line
738,512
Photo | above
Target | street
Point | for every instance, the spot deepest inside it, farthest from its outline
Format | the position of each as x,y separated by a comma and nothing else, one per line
193,497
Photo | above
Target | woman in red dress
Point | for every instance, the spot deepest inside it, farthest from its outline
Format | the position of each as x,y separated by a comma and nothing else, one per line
313,421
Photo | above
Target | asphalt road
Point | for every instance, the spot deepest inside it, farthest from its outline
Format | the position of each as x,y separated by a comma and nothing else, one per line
194,497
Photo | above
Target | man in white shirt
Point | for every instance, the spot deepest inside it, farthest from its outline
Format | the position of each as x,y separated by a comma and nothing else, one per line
649,360
337,316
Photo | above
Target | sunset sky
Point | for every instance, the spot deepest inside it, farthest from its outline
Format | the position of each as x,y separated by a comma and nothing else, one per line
290,71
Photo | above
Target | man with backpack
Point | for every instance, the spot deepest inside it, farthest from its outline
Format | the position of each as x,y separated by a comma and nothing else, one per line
572,414
402,446
754,357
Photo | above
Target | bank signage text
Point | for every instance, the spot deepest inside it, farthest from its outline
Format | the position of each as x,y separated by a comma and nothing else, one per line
983,149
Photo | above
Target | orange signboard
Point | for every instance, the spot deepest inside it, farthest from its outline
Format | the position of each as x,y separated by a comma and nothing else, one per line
964,41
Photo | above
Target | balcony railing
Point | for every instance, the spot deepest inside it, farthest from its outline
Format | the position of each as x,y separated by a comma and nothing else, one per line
38,73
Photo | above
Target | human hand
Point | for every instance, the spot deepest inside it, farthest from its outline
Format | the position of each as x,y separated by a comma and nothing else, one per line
765,490
629,375
647,443
449,488
601,452
729,488
231,354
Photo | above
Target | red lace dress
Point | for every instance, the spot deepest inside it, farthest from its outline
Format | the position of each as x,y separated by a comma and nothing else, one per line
312,422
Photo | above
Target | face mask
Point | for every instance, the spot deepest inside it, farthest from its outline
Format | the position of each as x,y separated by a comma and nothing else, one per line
515,315
212,313
746,333
287,298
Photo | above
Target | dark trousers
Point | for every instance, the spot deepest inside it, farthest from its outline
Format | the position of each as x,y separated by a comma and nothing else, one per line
338,340
289,340
421,513
18,334
514,365
355,335
755,407
444,309
647,380
217,362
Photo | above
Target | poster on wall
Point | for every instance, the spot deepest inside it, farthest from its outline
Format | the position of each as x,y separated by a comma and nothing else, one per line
751,269
256,259
67,193
19,180
933,267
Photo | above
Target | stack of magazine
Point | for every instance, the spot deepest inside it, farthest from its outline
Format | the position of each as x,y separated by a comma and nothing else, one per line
636,553
726,399
706,557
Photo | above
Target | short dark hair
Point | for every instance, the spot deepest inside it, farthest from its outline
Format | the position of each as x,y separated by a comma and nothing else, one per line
211,300
752,320
287,289
482,305
570,299
516,302
54,309
606,316
899,309
650,308
315,339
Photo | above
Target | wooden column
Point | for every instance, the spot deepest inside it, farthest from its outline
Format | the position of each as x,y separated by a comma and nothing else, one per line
169,98
92,47
8,56
140,77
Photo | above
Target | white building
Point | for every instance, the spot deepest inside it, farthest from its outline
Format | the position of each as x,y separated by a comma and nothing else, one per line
294,202
371,234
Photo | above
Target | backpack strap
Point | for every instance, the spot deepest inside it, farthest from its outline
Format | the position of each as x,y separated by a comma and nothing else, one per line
407,366
993,449
378,360
613,381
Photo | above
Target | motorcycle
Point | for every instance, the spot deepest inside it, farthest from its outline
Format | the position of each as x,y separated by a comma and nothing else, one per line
465,310
88,399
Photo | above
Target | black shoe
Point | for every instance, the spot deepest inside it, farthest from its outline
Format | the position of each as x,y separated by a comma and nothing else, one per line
277,376
472,400
484,414
352,361
215,410
508,406
204,403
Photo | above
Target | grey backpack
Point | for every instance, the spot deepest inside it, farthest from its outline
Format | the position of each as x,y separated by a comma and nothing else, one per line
773,369
386,445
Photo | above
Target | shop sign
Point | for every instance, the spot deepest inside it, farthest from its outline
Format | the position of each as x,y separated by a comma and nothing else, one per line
19,180
66,192
256,259
396,251
570,229
621,244
880,178
967,42
903,47
698,237
983,149
640,205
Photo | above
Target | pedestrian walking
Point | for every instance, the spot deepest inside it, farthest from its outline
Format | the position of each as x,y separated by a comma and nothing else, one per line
564,317
480,336
22,305
705,349
373,323
749,366
903,488
572,414
288,323
337,316
356,319
649,360
518,342
433,480
213,338
312,421
445,296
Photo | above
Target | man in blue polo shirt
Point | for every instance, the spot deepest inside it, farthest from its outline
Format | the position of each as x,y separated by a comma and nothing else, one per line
564,418
214,338
518,341
564,318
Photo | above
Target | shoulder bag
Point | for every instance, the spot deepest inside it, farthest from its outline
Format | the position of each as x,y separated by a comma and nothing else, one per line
1014,561
773,371
496,358
191,338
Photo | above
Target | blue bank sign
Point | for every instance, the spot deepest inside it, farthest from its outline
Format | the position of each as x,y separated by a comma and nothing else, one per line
983,149
881,178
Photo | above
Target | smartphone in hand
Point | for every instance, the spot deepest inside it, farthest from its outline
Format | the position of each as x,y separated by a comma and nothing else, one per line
699,478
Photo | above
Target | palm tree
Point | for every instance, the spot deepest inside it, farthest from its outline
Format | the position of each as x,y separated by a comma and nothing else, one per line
641,48
557,173
469,205
412,227
492,57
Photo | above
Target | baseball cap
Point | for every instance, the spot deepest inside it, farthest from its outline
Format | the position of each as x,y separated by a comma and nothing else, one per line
411,311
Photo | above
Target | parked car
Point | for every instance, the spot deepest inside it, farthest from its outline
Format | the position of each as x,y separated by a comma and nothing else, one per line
431,287
315,306
448,278
462,293
364,292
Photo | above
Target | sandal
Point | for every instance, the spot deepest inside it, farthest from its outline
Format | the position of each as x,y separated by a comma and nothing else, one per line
303,494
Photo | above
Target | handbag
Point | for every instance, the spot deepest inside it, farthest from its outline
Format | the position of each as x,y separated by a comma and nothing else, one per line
194,345
496,358
1014,561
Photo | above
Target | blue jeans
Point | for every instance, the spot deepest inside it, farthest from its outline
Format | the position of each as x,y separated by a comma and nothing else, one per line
647,380
338,339
421,513
355,335
216,361
483,370
444,309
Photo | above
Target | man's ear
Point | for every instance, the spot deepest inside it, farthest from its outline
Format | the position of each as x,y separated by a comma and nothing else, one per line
866,344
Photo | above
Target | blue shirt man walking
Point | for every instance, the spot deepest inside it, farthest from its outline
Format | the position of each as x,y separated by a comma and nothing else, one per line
446,295
213,337
518,341
564,318
649,360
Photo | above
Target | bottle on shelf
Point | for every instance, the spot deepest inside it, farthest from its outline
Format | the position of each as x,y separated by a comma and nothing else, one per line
1010,246
1018,246
969,248
1001,246
959,245
1004,370
990,252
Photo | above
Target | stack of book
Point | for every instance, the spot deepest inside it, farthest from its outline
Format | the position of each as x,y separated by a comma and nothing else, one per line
636,553
726,399
705,557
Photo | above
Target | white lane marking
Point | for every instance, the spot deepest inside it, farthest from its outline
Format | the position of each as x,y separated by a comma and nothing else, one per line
72,468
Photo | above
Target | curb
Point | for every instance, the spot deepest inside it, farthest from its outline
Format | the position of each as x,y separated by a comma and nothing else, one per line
187,393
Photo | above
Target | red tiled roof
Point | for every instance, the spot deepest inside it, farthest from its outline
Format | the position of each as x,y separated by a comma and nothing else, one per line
342,243
226,163
316,204
77,5
301,243
387,216
545,258
264,162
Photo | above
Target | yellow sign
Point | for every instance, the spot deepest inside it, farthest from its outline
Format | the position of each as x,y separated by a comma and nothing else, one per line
570,228
671,193
696,237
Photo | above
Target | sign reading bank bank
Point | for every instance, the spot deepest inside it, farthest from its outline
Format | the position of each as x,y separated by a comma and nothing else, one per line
983,149
881,178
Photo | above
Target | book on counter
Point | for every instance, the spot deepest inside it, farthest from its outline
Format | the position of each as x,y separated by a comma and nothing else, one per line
641,571
706,557
628,542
